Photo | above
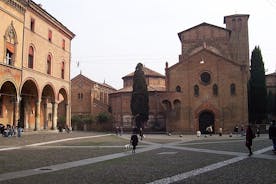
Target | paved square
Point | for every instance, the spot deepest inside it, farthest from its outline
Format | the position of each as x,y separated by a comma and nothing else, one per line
81,158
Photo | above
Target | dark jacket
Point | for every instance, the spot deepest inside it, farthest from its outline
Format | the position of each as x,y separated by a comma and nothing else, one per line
249,136
134,140
272,131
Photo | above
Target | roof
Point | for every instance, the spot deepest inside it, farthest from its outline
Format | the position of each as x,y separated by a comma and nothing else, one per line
209,51
148,73
202,24
93,82
38,8
150,89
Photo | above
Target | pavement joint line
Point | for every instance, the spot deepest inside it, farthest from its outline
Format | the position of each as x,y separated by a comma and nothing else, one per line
68,165
196,172
51,142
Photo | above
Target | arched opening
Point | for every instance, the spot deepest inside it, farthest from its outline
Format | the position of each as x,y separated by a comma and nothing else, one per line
63,111
29,98
8,103
206,118
48,108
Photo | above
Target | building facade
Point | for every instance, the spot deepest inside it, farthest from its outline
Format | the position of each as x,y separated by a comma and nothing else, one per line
208,86
120,101
271,92
35,51
89,97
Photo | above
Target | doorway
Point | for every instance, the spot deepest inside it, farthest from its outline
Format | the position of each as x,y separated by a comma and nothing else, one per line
206,118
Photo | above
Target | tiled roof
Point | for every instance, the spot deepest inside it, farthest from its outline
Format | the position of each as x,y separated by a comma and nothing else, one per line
148,72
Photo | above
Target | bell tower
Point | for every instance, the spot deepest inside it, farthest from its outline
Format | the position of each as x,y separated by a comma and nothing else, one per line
239,44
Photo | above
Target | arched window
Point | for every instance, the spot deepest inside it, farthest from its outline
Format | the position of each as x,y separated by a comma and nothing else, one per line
49,60
31,57
196,90
233,89
62,69
178,89
215,90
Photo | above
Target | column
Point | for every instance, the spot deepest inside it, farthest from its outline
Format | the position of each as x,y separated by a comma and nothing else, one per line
45,115
54,115
37,115
67,115
16,112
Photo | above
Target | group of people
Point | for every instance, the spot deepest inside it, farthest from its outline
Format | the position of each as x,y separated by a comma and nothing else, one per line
10,130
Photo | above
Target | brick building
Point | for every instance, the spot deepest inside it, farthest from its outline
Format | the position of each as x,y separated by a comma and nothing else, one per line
208,86
89,97
35,51
120,101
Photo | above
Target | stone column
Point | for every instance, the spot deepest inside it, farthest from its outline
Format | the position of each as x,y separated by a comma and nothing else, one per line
16,112
67,115
54,115
37,115
45,115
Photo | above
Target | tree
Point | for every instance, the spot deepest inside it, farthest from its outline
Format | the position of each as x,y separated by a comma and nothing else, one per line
257,87
139,98
271,104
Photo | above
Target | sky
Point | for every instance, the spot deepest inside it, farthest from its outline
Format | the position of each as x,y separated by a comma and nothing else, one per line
112,36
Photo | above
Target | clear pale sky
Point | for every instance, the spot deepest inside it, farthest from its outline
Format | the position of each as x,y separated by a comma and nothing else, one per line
112,36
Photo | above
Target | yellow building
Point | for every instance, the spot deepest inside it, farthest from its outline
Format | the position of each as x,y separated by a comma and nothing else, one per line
35,51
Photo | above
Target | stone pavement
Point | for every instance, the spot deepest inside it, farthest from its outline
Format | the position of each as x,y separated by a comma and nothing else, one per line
159,159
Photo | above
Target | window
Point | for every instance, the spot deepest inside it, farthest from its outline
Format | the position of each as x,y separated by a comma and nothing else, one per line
31,57
50,36
62,70
215,90
205,78
80,96
32,26
49,60
178,89
63,44
233,89
196,90
1,106
9,56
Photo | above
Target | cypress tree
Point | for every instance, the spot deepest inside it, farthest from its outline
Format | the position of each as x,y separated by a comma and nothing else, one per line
257,87
139,98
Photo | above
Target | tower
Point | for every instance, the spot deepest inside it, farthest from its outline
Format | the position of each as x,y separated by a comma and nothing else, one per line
239,44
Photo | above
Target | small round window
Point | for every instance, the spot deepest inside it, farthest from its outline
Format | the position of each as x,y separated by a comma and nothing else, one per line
205,77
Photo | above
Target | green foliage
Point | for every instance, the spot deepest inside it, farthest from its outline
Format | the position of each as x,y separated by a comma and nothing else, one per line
103,117
87,119
140,97
257,94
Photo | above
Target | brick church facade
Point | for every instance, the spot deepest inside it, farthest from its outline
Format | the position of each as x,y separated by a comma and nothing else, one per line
208,86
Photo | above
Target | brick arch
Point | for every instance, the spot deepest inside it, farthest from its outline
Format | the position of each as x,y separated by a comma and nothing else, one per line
206,107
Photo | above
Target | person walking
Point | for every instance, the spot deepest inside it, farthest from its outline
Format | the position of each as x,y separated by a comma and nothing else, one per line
272,134
249,139
134,140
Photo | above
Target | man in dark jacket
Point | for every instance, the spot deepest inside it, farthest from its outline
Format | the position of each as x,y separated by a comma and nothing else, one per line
272,134
134,140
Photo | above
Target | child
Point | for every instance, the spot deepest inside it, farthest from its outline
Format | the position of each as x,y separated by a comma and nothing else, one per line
134,140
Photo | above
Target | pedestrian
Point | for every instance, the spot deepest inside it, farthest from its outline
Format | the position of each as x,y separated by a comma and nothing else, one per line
258,131
272,134
249,139
242,130
141,133
220,131
134,140
236,129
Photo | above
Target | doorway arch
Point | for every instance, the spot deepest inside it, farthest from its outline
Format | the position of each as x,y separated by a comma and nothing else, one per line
206,118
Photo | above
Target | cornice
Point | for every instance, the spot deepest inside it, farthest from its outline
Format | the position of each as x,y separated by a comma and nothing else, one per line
18,5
